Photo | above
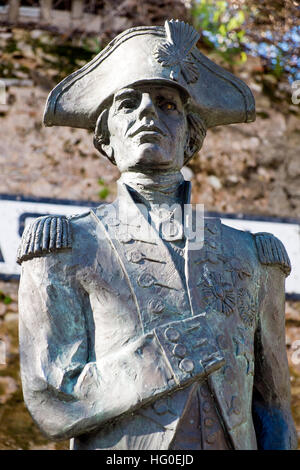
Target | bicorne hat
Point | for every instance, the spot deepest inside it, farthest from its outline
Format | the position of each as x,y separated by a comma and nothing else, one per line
151,54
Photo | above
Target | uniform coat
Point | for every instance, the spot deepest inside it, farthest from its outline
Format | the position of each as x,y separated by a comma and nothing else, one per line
118,331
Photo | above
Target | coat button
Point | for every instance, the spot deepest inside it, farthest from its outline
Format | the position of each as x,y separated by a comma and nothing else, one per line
179,350
146,280
211,438
124,237
206,406
172,335
156,306
160,407
208,422
135,256
186,365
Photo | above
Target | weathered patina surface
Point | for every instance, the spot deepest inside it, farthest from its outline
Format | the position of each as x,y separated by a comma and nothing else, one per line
133,336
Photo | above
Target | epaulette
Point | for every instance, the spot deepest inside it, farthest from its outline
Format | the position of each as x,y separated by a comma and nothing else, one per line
46,234
272,251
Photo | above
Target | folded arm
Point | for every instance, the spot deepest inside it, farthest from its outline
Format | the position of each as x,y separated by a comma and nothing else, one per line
65,390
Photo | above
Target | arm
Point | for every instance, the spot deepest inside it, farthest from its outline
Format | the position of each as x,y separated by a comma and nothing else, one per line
65,390
271,396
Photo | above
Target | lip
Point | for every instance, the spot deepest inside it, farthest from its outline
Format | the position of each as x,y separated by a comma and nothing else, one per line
148,137
148,130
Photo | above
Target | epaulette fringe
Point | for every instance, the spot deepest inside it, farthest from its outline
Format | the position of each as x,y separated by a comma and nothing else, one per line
44,235
272,251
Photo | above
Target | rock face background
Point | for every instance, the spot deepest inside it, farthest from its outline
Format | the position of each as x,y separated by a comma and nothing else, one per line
241,168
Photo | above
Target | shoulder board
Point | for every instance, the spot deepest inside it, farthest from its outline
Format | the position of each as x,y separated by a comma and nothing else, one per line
44,235
75,217
272,251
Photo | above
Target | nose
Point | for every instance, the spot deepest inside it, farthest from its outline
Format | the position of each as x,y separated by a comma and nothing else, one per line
147,107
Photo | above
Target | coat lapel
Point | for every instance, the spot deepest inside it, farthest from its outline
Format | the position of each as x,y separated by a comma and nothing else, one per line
159,289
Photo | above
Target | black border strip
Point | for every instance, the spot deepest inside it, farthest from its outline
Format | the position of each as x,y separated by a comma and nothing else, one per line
91,204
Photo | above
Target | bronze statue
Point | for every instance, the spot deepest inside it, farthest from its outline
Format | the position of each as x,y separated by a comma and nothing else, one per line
138,330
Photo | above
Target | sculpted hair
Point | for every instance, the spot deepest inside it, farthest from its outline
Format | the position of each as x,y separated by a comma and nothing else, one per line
101,134
196,135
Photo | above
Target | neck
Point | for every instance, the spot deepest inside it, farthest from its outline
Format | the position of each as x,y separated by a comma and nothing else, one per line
155,188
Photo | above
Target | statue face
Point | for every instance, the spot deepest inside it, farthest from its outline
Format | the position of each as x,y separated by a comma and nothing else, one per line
148,128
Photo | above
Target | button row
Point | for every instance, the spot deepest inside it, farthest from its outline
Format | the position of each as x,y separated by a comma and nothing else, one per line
179,350
208,421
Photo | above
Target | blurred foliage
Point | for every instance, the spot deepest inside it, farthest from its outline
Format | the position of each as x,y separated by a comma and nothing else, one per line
104,192
221,28
65,55
232,29
23,53
269,29
6,299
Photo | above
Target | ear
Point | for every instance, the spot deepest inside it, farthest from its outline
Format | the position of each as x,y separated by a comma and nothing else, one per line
101,137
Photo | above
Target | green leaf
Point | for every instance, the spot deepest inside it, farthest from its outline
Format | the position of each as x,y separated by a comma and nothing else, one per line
232,24
103,193
241,34
222,6
243,58
278,68
222,30
216,16
241,17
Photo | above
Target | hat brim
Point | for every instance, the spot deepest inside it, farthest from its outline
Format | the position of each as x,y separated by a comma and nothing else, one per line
217,95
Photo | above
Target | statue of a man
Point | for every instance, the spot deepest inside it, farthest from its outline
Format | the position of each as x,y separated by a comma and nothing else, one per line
134,336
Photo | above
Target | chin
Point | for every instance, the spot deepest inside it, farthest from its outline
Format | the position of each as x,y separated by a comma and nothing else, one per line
154,155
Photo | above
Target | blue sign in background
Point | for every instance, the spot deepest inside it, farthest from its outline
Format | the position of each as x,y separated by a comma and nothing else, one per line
16,211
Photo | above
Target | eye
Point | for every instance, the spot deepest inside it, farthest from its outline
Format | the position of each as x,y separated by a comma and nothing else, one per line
128,104
167,105
170,106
